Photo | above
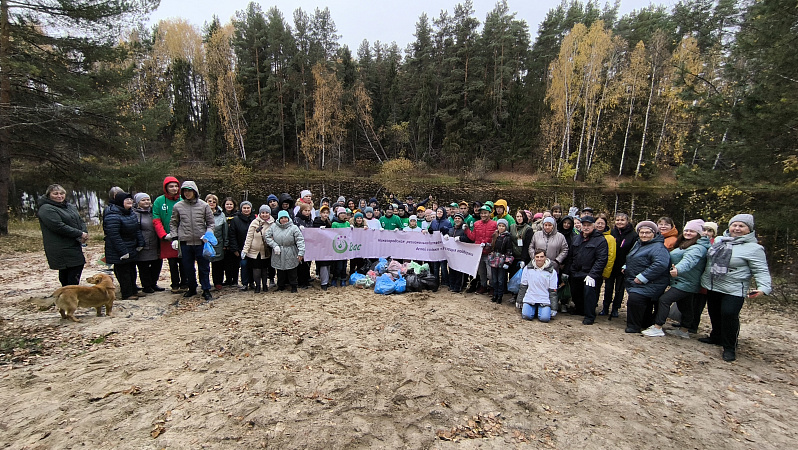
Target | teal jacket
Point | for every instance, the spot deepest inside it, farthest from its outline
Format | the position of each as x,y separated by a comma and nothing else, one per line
690,264
747,260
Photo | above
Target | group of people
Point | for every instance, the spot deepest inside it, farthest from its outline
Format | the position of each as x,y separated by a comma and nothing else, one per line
564,259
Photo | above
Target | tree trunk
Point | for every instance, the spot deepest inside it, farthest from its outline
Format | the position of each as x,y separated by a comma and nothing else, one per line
645,122
5,108
628,126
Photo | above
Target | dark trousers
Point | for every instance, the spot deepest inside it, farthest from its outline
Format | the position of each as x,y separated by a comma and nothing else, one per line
339,270
287,277
456,280
176,273
70,276
231,263
192,253
615,285
498,280
699,302
639,312
585,298
246,272
724,313
149,272
683,300
126,277
303,273
217,272
441,271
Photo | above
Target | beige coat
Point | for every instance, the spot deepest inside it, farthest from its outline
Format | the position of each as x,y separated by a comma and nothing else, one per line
254,244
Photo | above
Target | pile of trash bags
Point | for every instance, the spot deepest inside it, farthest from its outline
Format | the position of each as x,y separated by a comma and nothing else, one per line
387,276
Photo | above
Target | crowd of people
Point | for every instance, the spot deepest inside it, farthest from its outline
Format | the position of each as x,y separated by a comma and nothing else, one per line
563,259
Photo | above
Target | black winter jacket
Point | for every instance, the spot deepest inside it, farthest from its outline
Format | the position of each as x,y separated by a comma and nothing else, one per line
624,241
237,234
122,235
589,256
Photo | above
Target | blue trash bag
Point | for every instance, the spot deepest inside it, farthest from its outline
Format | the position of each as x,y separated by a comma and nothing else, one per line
208,251
515,282
382,266
384,285
355,276
210,237
400,286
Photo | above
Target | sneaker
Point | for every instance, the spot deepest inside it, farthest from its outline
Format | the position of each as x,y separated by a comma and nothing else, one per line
729,356
614,313
679,333
653,331
587,321
603,312
190,293
148,290
631,330
482,290
243,288
218,287
293,290
323,287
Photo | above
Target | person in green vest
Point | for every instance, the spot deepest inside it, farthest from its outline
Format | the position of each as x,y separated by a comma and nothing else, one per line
391,221
500,211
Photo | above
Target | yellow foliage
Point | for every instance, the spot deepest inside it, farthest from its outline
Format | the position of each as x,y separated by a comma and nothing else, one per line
397,168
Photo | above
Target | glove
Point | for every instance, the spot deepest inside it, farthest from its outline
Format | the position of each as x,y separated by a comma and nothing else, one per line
482,245
521,264
322,227
168,237
505,267
589,281
138,249
457,238
277,250
243,255
301,227
125,256
204,240
445,237
175,245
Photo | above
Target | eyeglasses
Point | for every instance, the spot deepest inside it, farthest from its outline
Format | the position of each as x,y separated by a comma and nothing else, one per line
643,231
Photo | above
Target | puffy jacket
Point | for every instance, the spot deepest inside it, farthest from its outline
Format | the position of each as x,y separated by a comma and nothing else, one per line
690,264
221,232
482,233
62,228
611,251
122,235
460,233
502,244
162,215
238,231
649,262
191,219
524,232
503,203
625,239
589,256
291,242
553,243
255,241
747,260
152,246
304,221
443,225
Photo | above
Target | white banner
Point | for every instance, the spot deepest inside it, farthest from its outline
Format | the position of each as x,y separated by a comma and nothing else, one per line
331,244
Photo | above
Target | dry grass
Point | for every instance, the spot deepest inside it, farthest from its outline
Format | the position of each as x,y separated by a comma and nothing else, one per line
25,236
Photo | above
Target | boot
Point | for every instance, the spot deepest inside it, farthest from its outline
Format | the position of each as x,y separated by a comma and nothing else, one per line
190,292
293,289
499,298
257,289
206,294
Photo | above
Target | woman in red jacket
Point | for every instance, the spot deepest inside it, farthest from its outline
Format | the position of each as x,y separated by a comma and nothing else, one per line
483,235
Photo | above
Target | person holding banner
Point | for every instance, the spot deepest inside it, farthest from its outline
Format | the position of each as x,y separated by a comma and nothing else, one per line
339,267
390,221
457,279
288,250
483,235
323,267
440,223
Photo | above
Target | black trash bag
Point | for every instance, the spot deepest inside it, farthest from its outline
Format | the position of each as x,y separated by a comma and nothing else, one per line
413,282
364,269
428,281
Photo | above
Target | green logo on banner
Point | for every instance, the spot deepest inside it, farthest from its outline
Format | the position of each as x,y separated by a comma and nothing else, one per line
339,244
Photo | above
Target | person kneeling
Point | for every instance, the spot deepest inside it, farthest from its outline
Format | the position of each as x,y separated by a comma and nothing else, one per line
538,292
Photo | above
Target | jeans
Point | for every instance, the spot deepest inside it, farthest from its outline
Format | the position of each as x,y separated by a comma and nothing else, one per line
126,277
70,276
543,312
246,273
339,271
498,280
724,313
441,271
190,254
149,272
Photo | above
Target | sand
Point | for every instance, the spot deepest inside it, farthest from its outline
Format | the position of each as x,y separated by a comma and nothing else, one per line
352,369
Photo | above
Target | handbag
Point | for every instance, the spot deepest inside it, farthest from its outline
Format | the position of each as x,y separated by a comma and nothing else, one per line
496,260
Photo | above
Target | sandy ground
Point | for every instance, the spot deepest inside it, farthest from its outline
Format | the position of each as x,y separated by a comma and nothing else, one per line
351,369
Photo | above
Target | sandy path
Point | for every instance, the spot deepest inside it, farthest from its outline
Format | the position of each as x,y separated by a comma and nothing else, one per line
349,368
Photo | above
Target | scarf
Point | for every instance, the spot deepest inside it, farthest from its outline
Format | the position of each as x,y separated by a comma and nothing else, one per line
720,254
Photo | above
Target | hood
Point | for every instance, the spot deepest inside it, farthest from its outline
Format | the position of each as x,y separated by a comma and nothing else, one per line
166,181
546,266
285,198
560,228
501,202
218,210
188,184
441,208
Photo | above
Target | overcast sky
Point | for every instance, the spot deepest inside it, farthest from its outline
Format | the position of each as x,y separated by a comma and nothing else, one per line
356,20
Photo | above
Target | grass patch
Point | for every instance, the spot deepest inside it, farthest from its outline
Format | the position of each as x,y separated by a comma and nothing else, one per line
25,236
11,344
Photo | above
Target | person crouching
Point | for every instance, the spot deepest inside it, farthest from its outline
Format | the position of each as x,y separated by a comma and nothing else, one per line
538,291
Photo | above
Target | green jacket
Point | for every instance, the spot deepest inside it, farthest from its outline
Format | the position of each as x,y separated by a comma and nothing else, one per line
221,231
62,228
690,264
508,218
747,260
391,223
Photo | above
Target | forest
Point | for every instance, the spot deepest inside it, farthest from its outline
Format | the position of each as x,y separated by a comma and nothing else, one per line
704,89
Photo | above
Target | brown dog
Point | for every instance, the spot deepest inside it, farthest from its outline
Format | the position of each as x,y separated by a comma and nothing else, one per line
69,298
